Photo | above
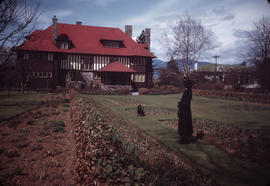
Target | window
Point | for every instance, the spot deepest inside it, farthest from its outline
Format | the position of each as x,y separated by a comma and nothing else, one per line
138,61
113,59
86,62
50,56
42,74
64,45
112,44
139,77
25,56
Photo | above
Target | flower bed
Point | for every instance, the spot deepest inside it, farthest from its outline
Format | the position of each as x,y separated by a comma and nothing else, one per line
264,98
112,151
252,144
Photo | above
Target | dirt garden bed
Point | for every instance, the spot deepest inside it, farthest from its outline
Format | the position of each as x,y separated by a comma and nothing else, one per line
37,146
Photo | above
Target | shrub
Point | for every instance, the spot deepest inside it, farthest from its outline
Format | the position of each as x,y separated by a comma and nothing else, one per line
57,126
12,154
17,171
37,147
22,145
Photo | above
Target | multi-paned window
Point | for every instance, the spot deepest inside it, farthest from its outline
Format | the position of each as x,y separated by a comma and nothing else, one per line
112,44
50,56
63,45
26,56
87,62
138,77
42,74
38,57
138,61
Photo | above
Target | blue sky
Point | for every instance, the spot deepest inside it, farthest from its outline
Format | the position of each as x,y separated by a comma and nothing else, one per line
228,19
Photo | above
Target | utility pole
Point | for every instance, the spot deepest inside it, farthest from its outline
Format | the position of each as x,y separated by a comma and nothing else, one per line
216,56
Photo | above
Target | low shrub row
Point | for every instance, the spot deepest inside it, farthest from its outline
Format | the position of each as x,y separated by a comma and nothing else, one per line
162,90
240,96
112,151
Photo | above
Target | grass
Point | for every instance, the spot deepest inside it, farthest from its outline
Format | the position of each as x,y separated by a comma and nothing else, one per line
241,114
202,155
18,103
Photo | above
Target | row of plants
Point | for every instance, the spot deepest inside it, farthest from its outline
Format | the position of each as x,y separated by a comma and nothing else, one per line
161,90
246,107
240,96
248,143
112,151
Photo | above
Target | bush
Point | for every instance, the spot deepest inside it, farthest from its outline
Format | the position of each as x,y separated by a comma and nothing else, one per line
210,86
57,126
164,89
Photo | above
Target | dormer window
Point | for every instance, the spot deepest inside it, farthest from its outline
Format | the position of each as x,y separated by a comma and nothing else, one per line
63,42
63,45
112,44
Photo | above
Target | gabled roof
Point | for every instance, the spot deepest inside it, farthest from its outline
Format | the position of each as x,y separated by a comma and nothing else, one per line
86,40
116,67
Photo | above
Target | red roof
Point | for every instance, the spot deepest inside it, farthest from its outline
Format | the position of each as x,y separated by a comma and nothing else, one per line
116,67
86,40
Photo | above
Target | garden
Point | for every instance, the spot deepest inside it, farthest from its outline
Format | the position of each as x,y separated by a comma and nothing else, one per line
99,139
234,134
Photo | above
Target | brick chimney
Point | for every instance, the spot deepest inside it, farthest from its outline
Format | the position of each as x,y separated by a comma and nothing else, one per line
78,23
128,30
54,29
148,37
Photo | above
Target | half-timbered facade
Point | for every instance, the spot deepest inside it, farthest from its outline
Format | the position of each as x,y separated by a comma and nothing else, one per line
84,53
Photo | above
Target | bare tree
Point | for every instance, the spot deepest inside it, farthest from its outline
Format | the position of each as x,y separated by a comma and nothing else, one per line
259,41
17,20
258,51
189,39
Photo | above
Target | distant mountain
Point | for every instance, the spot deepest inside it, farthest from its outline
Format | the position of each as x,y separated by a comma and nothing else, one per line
201,63
157,63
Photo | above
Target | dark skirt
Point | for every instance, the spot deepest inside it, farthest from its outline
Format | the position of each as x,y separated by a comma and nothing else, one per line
185,128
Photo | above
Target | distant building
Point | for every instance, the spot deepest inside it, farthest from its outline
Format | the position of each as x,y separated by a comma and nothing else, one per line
99,56
234,77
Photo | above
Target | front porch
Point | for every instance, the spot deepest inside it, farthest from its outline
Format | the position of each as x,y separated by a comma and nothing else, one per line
115,76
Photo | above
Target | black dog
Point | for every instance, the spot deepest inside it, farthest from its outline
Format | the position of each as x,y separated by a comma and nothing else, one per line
140,111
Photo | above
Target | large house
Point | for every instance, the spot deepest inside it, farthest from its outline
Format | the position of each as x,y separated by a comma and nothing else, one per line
99,56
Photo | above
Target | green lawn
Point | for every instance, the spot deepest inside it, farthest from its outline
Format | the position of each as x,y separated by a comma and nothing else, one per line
225,168
241,114
17,103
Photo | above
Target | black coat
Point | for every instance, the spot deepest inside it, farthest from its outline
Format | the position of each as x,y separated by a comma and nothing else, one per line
185,127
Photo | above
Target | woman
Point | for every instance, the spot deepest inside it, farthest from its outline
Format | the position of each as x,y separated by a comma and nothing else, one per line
185,128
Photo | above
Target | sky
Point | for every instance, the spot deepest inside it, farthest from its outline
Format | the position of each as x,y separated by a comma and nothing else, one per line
227,19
